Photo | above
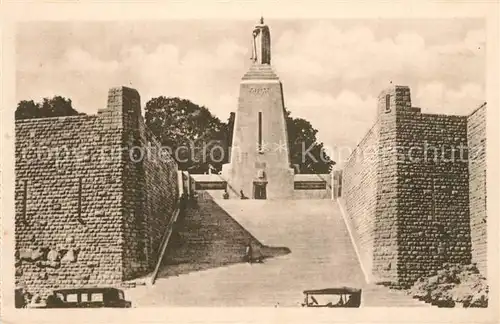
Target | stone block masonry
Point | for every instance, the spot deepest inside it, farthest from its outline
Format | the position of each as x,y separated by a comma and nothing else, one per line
407,191
476,136
385,230
90,207
433,193
360,193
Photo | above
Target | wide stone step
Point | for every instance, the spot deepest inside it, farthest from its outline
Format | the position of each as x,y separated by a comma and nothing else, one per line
208,235
319,237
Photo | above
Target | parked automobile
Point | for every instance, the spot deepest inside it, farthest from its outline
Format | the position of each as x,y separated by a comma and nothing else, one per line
333,297
87,298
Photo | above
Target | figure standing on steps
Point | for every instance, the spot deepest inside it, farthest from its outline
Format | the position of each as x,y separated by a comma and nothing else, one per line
225,195
249,253
194,198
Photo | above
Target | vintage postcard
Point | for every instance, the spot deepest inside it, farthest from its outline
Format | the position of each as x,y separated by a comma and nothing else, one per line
250,162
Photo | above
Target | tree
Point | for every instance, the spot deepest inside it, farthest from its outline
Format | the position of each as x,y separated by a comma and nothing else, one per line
230,128
27,109
54,107
195,137
57,106
307,155
198,139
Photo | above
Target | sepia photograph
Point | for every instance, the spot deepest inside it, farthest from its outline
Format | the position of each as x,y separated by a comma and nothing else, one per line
262,161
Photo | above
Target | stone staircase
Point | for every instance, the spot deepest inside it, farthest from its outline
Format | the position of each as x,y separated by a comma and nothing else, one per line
206,237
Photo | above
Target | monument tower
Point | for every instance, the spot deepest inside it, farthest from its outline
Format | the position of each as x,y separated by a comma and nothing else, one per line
260,162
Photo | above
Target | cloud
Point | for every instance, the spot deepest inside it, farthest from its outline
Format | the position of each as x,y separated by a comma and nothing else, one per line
335,75
331,74
325,52
435,97
341,120
76,59
197,74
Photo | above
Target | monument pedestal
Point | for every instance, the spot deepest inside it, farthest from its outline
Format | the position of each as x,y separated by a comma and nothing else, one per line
260,163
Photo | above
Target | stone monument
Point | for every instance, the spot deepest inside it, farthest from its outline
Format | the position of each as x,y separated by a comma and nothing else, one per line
259,167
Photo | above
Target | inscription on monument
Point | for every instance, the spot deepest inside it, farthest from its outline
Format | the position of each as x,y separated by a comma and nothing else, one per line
259,91
209,185
310,185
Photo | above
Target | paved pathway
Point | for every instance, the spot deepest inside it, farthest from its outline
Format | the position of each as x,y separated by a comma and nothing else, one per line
322,256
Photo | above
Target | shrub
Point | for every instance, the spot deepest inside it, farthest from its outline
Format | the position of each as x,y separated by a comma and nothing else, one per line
454,284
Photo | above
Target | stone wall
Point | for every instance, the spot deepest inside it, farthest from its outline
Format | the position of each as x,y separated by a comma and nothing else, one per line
360,193
433,193
337,183
77,199
476,135
385,250
149,187
409,203
68,205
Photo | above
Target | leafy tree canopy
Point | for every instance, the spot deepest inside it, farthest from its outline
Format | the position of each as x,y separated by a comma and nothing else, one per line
307,155
198,139
195,137
49,107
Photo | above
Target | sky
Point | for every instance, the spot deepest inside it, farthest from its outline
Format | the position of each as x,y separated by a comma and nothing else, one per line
332,70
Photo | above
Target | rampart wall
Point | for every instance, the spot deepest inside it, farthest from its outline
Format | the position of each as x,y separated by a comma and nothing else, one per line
86,213
360,192
476,135
412,193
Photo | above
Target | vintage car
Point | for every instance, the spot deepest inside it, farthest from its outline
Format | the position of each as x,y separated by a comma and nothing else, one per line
333,297
87,298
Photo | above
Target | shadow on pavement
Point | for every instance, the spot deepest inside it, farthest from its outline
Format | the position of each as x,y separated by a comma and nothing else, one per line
206,237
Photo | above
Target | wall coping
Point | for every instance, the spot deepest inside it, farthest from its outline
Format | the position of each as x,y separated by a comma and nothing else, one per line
207,177
361,142
82,115
478,109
